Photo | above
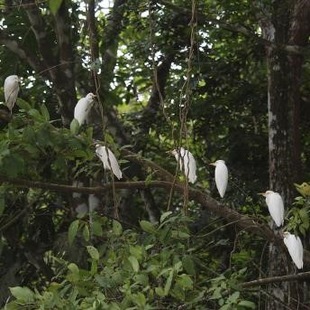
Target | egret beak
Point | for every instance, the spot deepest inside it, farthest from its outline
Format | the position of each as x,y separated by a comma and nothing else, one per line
212,164
263,194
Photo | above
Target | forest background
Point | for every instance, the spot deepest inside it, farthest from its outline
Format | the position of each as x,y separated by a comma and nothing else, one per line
224,79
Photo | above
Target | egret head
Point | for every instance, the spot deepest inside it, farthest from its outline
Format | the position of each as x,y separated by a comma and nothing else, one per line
285,234
15,78
90,97
219,161
267,193
174,152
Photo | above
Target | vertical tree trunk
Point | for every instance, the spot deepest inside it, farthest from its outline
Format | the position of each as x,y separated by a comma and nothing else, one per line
290,26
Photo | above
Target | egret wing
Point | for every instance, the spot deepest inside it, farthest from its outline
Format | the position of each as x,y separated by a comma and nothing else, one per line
221,178
295,249
276,208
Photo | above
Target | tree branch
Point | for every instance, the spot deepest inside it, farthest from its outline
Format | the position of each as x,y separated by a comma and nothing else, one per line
293,49
287,278
15,47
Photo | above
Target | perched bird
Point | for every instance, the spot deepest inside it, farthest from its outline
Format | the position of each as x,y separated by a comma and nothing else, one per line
187,163
11,89
303,189
221,176
275,206
295,248
109,160
83,107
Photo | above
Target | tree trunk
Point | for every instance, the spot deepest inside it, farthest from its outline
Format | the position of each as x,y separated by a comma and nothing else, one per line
289,25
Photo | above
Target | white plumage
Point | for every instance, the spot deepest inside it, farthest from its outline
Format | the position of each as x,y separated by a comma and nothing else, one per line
83,107
109,160
187,163
295,248
275,206
221,176
11,89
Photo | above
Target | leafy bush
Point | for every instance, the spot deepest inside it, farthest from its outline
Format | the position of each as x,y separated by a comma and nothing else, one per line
156,268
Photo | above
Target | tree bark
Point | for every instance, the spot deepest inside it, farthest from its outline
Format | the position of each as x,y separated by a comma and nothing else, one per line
289,24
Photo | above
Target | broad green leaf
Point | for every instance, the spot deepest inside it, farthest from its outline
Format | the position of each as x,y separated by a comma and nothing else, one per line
185,282
117,228
22,293
54,5
160,291
74,126
134,263
73,268
147,226
93,252
73,229
188,265
96,229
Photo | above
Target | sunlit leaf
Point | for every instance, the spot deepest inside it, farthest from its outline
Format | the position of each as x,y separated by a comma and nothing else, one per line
22,293
93,252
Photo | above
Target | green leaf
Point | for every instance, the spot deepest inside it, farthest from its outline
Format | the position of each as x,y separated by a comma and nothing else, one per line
24,105
185,282
189,265
44,112
247,304
147,226
74,268
160,291
117,228
74,126
54,5
86,233
93,252
22,293
73,229
134,263
164,216
168,283
96,229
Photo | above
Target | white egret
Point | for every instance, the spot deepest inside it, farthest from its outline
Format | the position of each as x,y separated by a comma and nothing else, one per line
221,176
295,248
11,89
275,206
83,107
187,163
109,160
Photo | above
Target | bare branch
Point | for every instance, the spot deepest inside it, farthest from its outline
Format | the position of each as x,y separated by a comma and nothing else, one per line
287,278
